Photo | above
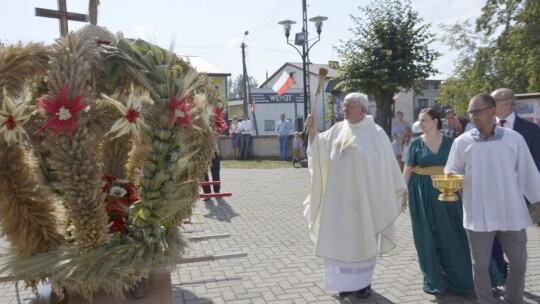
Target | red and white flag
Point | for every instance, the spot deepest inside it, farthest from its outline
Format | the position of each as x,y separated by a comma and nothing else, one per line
283,84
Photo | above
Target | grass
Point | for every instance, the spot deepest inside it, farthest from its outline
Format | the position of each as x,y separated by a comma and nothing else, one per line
255,164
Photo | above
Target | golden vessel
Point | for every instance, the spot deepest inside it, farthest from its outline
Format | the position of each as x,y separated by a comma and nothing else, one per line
448,185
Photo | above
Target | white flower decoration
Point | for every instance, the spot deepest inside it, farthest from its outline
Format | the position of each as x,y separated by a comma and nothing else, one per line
13,116
117,191
131,121
64,114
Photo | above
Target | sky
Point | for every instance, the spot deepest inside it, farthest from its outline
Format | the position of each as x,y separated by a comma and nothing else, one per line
214,29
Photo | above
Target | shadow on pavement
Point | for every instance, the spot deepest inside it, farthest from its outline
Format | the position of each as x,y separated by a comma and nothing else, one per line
221,211
374,298
533,298
187,296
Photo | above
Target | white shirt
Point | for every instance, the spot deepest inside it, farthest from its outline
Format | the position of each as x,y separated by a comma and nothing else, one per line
509,121
245,126
355,187
498,172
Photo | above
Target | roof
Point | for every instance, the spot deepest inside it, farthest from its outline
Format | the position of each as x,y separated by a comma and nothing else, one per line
331,86
203,66
314,69
527,95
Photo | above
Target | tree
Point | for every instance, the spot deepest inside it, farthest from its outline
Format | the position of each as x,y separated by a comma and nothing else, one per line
389,51
518,45
236,86
476,57
503,51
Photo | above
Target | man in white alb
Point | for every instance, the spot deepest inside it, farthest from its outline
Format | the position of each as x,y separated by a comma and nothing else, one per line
499,170
353,202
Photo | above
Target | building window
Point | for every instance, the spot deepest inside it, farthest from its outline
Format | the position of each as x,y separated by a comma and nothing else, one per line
422,103
269,125
425,85
436,85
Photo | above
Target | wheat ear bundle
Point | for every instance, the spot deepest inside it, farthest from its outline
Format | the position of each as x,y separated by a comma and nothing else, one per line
75,156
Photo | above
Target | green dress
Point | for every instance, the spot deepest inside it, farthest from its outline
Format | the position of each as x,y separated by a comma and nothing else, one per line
440,239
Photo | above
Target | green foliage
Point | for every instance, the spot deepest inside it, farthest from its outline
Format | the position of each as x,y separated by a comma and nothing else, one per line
329,111
389,50
503,51
236,86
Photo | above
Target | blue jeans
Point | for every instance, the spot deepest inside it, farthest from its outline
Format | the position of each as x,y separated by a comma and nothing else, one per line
283,147
245,146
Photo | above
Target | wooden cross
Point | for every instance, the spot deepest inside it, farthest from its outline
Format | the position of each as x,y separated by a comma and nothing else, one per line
63,15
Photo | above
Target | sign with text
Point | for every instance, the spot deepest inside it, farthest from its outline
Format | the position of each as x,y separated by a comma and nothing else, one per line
528,107
260,98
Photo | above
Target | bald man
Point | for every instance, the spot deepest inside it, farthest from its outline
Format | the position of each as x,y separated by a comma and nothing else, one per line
506,117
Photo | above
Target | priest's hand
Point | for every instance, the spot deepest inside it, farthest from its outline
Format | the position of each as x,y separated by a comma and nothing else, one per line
311,127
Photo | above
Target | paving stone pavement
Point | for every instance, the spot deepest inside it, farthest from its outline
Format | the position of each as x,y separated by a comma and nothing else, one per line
264,218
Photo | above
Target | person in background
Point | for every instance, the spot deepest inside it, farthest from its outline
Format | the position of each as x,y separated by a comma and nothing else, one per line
506,117
245,143
215,168
297,146
352,205
407,137
416,131
469,126
283,130
453,125
235,134
398,127
498,171
439,237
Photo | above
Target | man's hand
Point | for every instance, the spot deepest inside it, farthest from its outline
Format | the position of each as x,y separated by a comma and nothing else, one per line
310,125
537,209
403,203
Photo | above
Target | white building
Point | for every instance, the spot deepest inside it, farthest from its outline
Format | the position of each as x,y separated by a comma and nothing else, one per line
268,105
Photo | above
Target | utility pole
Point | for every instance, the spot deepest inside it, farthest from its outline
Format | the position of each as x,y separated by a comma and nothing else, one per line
252,109
244,78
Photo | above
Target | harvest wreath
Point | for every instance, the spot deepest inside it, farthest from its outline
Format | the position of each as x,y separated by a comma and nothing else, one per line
101,150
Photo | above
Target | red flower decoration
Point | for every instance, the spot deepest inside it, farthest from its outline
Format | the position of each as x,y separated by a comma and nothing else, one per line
115,206
132,115
11,123
179,111
219,123
117,225
63,112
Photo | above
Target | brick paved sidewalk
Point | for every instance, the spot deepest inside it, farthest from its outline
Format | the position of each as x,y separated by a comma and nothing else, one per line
264,218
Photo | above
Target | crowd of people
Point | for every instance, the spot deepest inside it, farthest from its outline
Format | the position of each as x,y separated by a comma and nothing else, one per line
459,244
240,133
471,246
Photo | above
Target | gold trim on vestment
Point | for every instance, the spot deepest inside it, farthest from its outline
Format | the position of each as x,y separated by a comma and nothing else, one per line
432,170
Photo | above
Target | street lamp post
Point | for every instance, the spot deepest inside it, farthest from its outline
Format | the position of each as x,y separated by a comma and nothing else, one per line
301,39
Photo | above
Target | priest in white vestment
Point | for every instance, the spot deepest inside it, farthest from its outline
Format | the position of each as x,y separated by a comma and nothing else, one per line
499,170
353,203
